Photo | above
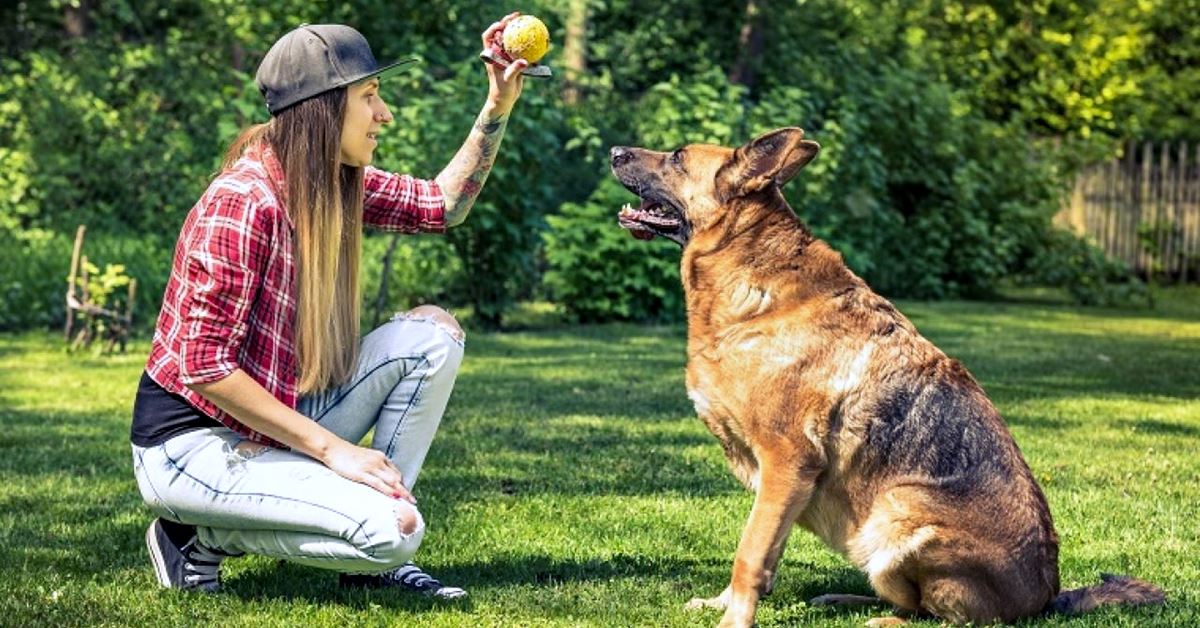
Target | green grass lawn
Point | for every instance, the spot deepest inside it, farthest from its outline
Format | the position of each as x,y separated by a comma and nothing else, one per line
572,485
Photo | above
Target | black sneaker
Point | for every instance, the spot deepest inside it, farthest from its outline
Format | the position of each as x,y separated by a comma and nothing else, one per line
409,577
180,561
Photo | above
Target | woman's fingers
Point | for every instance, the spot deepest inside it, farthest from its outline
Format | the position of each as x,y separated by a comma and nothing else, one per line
387,480
515,68
490,33
401,491
494,35
373,468
376,483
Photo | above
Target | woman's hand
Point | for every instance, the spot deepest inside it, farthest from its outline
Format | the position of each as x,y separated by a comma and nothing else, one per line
248,402
369,467
504,83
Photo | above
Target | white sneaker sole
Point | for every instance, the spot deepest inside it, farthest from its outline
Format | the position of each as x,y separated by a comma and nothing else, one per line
447,593
156,558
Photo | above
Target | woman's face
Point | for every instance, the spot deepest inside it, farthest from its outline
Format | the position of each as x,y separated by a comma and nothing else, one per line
365,115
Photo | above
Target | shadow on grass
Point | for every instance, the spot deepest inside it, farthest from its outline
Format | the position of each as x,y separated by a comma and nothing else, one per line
1152,426
799,582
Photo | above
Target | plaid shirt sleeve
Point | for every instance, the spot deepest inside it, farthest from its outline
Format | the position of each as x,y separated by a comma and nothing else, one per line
225,256
396,202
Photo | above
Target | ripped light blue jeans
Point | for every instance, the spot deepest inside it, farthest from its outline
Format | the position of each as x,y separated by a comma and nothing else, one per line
244,498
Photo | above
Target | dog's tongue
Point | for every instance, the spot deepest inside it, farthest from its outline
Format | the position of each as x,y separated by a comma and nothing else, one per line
642,234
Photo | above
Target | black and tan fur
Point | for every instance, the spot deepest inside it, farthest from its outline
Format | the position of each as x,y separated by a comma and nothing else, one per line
835,411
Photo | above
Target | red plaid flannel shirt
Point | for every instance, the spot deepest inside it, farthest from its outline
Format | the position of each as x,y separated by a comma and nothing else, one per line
231,299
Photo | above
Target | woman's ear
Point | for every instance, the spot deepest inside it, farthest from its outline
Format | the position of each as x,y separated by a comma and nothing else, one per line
774,158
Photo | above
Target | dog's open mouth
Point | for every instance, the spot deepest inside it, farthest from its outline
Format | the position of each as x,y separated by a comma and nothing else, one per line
652,218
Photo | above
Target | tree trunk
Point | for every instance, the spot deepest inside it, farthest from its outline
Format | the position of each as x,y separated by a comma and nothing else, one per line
750,44
381,297
575,50
237,56
76,20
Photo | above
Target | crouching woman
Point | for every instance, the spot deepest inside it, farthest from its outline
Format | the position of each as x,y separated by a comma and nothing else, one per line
258,387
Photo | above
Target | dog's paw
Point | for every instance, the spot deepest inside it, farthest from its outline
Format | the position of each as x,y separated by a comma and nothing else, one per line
719,602
880,622
701,603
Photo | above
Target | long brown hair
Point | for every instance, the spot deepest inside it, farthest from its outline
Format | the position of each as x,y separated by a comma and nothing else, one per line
325,203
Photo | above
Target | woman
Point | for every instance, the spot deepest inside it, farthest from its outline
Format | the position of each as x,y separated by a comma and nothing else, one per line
257,389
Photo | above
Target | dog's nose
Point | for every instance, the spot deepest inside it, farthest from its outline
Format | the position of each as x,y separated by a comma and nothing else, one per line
620,155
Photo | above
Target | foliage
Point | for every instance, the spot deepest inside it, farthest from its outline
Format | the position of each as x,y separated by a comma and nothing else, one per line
1065,260
33,283
36,265
922,196
1057,68
423,270
1155,238
101,287
949,128
599,272
497,244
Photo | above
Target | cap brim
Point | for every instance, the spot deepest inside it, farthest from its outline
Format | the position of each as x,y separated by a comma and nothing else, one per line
391,69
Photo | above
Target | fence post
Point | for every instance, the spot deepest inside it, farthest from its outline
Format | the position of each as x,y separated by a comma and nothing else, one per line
1140,206
1175,241
71,281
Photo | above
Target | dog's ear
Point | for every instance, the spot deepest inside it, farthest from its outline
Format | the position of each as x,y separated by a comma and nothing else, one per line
774,157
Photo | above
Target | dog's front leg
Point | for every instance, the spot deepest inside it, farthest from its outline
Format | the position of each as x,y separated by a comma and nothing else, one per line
784,491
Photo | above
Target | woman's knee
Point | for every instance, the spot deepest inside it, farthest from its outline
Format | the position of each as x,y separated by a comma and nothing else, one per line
439,317
393,538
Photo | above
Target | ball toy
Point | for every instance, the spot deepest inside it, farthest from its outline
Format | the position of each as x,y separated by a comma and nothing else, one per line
526,37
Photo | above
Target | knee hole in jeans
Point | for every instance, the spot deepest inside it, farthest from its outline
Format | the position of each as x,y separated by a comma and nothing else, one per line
441,317
408,520
249,449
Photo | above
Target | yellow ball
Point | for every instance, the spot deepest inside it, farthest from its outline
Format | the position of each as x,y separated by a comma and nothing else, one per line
527,38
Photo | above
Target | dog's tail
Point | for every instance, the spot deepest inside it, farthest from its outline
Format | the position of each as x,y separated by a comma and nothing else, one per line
1111,590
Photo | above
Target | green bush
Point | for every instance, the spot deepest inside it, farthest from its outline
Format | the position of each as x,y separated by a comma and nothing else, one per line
33,284
1062,259
36,264
423,270
923,197
599,272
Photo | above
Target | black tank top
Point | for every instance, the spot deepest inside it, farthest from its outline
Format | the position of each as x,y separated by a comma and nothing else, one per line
159,415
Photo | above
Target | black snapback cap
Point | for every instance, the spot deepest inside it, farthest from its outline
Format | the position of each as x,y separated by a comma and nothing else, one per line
313,59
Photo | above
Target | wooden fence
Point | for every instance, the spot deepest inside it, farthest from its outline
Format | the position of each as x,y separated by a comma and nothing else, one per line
1143,208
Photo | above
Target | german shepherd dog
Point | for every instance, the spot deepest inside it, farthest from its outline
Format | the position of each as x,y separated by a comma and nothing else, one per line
836,412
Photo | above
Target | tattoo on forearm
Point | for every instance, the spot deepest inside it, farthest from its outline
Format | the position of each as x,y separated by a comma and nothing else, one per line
462,180
489,127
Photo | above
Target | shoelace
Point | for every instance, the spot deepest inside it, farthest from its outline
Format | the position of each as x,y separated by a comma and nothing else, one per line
202,565
411,576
